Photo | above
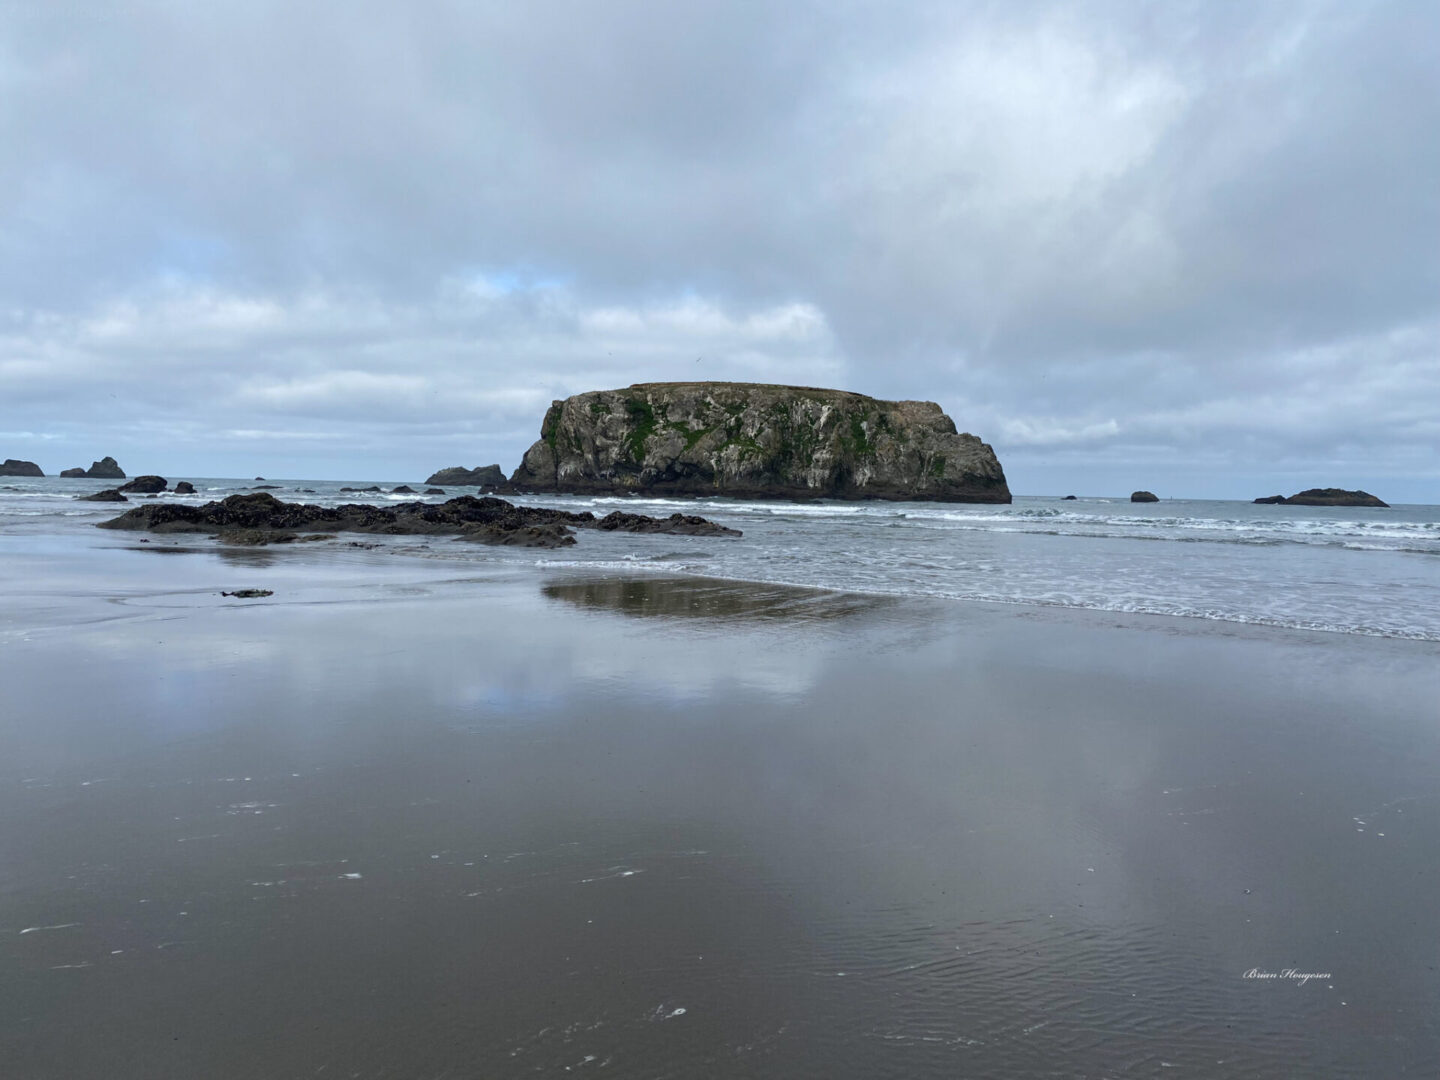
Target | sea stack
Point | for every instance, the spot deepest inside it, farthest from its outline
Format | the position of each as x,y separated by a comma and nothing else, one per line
752,440
14,467
105,469
1144,496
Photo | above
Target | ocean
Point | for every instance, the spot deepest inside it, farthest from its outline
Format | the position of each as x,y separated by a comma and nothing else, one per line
1336,569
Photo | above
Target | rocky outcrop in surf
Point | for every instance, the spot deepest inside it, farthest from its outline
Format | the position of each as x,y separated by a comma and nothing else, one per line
1326,497
262,518
146,485
1144,496
753,440
15,467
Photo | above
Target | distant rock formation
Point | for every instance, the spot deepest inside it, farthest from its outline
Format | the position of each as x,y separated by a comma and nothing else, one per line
15,467
434,491
1069,498
110,495
1144,496
74,474
184,487
1326,497
146,485
752,440
459,476
403,489
262,518
105,469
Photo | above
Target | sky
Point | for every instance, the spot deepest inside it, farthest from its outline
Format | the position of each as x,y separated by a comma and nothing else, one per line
1192,247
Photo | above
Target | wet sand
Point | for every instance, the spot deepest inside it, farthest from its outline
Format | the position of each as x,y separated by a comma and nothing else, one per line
406,819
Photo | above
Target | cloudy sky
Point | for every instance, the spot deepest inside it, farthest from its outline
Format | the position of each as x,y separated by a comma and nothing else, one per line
1193,247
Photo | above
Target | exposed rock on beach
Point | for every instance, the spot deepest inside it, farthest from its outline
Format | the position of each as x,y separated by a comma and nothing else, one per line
753,440
261,518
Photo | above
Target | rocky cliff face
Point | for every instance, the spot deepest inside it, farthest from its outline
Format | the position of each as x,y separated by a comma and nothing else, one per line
751,440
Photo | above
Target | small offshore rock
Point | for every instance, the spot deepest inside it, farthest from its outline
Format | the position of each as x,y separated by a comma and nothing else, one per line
1144,496
480,476
109,495
434,491
15,467
1329,497
372,487
72,474
184,487
1272,500
146,485
403,489
1069,498
107,468
250,594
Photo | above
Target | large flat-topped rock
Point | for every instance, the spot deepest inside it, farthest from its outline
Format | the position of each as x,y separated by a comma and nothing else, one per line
754,440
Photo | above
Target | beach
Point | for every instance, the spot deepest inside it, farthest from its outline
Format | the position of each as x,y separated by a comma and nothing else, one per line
413,817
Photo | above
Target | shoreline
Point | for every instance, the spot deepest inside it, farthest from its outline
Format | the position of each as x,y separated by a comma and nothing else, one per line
425,549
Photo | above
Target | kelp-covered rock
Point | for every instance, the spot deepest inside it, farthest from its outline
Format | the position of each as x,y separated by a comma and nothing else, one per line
487,520
753,440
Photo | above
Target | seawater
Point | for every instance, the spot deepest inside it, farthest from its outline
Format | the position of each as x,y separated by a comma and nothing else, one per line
1339,569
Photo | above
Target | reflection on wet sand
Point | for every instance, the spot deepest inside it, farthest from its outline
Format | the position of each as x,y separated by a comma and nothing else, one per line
249,557
704,598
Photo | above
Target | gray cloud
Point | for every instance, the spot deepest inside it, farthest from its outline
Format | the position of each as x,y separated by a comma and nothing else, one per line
1190,244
